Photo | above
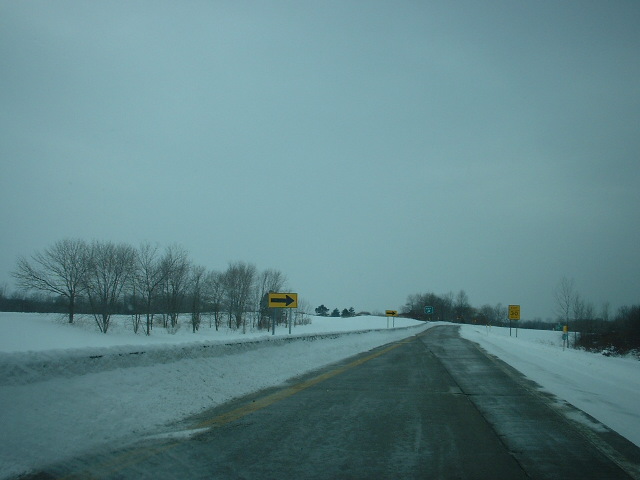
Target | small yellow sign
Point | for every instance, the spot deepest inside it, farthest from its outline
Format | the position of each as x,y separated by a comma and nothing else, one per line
283,300
565,329
514,312
392,313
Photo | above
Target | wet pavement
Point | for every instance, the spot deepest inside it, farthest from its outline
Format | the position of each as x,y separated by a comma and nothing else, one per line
431,406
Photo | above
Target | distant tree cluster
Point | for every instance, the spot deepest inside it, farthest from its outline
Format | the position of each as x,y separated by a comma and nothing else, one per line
20,301
618,336
455,308
324,312
596,330
350,312
105,278
589,329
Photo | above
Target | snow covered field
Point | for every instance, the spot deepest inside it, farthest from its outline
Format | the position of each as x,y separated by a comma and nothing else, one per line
66,388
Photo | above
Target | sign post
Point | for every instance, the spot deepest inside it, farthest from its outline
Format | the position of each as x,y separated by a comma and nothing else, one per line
281,300
514,314
391,313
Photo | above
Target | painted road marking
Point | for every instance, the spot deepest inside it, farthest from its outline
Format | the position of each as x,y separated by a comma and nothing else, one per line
137,455
264,402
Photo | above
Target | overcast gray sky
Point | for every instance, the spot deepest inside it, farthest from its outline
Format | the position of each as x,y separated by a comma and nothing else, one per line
367,149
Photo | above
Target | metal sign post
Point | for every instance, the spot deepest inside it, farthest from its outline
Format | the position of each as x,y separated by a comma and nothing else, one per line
391,313
514,314
278,301
273,321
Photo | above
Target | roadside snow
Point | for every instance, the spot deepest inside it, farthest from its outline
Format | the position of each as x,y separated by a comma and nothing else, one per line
22,332
607,388
65,389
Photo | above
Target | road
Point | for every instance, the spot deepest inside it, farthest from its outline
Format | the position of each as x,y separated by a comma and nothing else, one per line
431,406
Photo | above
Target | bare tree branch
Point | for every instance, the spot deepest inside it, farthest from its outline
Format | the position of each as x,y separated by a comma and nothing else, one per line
60,269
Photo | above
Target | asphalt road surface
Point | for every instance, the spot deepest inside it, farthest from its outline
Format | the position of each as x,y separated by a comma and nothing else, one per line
433,406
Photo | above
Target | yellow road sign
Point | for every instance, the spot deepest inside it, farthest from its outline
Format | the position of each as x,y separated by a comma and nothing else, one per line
283,300
392,313
514,312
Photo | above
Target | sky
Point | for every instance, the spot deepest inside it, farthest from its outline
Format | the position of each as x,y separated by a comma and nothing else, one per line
368,150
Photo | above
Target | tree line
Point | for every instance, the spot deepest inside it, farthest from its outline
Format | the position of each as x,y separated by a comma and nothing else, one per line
589,328
597,330
450,307
105,278
149,283
346,312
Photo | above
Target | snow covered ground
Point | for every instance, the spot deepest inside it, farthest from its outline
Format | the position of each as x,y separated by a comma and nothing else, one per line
607,388
65,389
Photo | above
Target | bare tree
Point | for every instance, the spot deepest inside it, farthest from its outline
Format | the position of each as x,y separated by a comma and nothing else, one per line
302,313
447,306
578,307
269,280
149,278
134,294
499,313
214,296
461,307
589,315
487,315
176,266
60,269
239,280
196,283
110,268
565,296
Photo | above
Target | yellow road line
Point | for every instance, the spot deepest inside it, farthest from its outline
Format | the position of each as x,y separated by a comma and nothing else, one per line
141,453
264,402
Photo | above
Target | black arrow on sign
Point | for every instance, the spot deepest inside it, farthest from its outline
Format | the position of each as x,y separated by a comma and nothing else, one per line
287,300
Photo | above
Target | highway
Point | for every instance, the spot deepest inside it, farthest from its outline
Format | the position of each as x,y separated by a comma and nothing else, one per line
431,406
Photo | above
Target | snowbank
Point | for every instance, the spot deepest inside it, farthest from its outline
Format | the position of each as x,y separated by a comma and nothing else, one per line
607,388
65,389
93,389
24,332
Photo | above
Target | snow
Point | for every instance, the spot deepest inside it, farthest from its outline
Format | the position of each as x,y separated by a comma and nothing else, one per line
66,389
607,388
